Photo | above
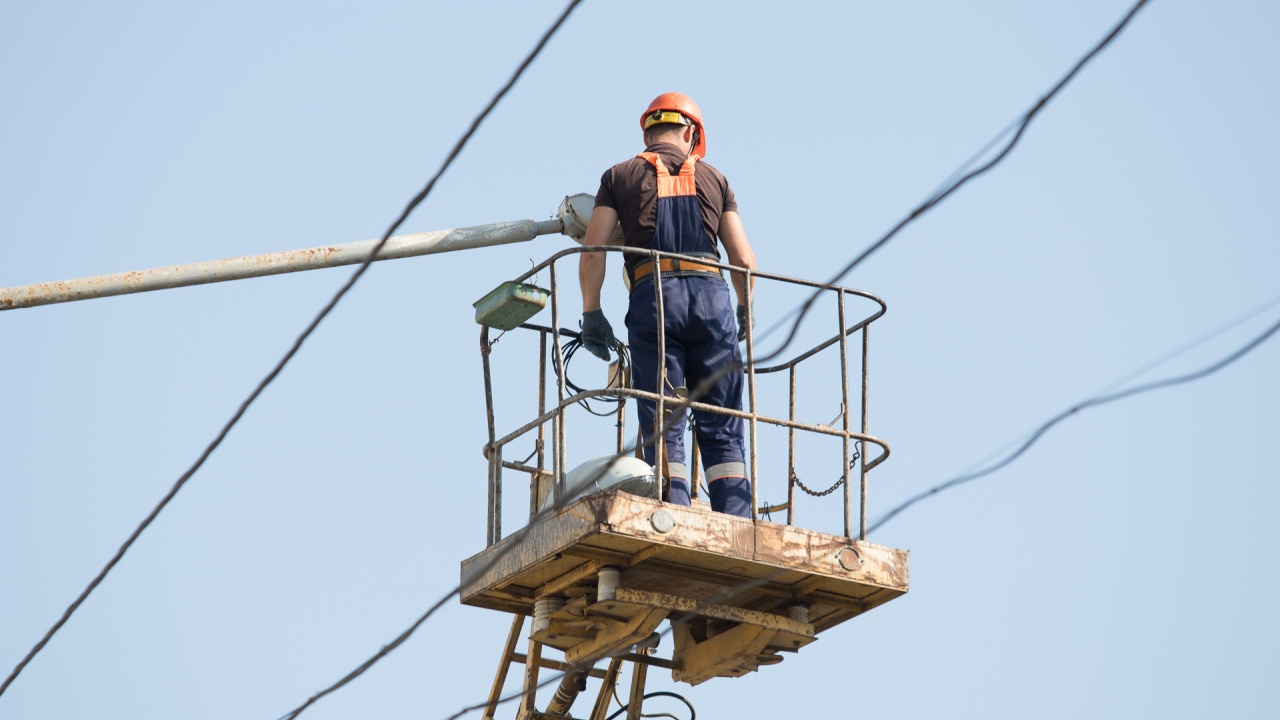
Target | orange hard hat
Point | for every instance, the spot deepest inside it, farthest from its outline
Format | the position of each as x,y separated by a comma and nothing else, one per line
678,108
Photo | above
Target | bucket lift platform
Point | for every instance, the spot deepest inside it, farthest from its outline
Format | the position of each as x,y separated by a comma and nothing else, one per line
599,569
601,574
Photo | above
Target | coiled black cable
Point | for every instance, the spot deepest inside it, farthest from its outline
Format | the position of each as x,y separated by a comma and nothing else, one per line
568,350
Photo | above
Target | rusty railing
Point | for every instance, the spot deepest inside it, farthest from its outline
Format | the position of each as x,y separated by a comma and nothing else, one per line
547,473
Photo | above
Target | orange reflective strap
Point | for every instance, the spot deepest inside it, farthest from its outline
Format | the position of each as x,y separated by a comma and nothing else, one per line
673,185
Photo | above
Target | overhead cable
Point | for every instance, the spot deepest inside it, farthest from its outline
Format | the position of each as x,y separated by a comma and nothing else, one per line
947,189
1092,402
1139,372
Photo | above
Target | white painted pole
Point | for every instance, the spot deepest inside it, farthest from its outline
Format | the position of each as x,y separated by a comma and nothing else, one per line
199,273
274,263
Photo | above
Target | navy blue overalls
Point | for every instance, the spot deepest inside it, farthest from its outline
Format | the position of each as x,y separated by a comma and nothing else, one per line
701,339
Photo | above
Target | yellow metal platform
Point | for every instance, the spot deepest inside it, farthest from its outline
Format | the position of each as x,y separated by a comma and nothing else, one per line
738,592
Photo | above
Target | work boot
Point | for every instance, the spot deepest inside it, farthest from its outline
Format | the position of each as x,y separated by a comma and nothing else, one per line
732,496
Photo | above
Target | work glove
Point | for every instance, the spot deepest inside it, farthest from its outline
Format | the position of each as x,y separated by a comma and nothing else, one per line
743,312
597,334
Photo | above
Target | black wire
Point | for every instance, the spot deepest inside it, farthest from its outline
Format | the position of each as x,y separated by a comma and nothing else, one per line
659,693
568,349
614,691
1139,372
939,195
1092,402
297,345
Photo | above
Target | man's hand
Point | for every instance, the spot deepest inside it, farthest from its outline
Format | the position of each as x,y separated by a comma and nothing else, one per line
743,314
597,334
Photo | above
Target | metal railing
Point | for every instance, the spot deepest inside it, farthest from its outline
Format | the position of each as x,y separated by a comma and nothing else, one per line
547,473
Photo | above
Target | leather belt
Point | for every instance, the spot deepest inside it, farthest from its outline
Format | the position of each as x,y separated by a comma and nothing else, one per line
645,269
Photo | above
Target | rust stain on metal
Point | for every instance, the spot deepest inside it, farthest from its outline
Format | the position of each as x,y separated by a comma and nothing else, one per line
320,254
717,572
704,552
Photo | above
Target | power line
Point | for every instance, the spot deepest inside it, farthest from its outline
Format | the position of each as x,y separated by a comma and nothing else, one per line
939,195
297,345
1192,344
1092,402
1139,372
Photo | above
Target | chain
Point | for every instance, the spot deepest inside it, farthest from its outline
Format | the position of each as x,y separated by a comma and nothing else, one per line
796,479
824,493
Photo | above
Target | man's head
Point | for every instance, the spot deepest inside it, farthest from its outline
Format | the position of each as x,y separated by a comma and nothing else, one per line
674,117
676,134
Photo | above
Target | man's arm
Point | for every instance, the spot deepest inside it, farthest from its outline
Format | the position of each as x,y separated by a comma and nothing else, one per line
591,266
734,238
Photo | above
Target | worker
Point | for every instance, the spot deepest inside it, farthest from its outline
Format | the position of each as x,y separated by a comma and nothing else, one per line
668,199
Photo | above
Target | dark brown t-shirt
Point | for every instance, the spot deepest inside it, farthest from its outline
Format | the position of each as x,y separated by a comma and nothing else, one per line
631,188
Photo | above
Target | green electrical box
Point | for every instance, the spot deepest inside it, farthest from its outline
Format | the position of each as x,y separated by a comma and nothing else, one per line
510,304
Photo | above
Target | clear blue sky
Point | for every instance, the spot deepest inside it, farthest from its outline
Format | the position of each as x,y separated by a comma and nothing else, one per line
1123,567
